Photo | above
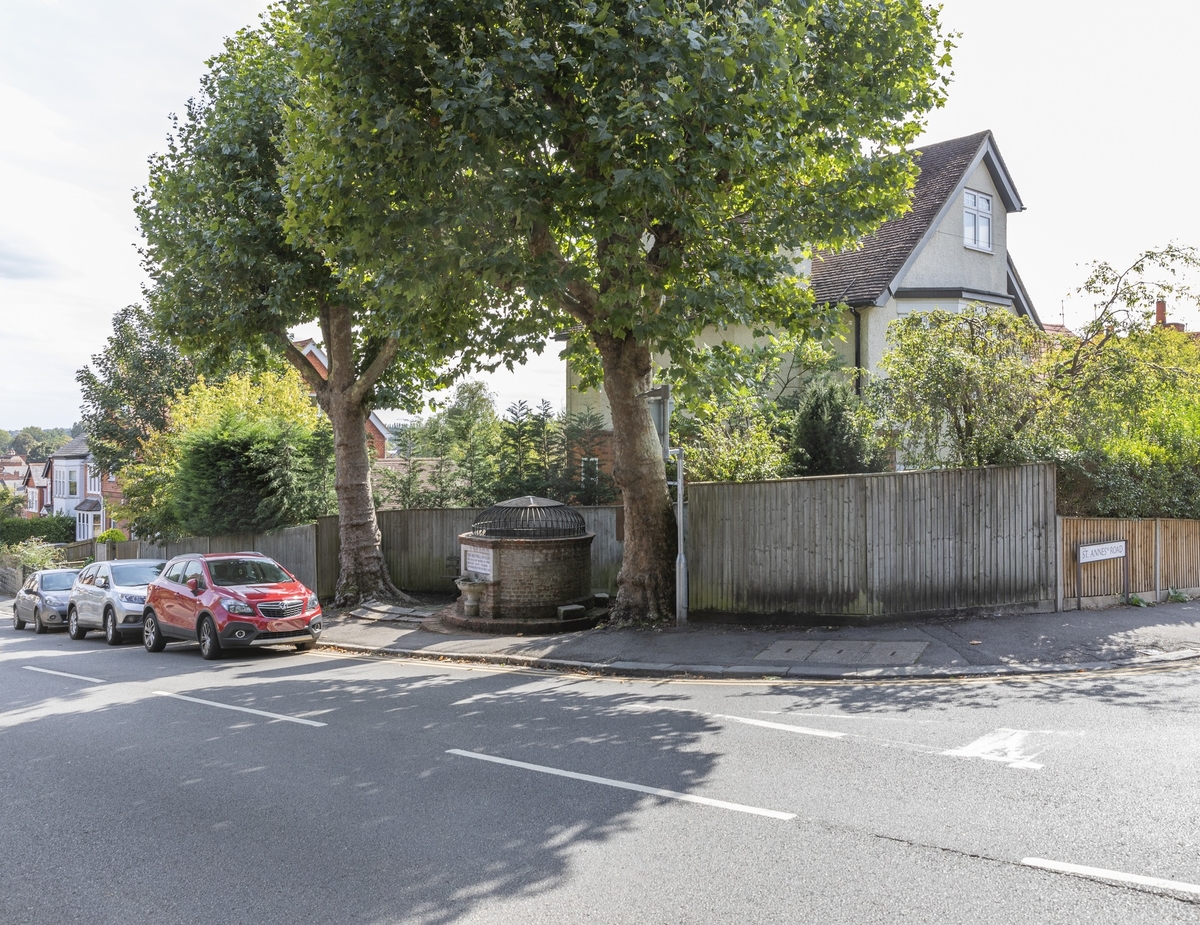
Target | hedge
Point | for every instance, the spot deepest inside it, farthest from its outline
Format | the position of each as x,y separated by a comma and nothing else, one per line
58,528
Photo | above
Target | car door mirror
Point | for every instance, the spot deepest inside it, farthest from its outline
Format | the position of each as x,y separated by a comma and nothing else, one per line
102,582
193,585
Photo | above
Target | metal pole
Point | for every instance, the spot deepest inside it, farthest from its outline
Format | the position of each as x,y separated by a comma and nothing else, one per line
681,575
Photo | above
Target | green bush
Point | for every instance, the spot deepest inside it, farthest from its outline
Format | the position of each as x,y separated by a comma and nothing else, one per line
57,528
32,554
111,535
830,435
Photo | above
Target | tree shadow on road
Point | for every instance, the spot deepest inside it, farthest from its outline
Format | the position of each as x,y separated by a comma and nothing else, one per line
368,819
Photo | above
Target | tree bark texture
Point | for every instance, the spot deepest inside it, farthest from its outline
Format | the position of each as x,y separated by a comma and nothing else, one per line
342,394
646,583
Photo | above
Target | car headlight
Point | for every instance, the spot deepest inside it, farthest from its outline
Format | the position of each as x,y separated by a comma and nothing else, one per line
238,607
312,604
133,598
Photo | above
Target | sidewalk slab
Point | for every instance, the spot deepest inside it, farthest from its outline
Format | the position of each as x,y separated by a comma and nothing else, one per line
1003,645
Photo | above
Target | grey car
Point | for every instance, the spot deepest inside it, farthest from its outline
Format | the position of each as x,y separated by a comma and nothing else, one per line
43,599
111,596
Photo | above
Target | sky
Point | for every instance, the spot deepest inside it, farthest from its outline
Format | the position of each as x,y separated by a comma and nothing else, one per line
1093,111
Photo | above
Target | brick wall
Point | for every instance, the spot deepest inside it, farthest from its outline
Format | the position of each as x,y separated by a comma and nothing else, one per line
533,578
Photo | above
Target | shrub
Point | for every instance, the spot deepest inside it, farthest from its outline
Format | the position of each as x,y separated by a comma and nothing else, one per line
57,528
111,535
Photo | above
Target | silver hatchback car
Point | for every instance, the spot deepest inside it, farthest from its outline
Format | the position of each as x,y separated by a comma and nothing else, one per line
111,596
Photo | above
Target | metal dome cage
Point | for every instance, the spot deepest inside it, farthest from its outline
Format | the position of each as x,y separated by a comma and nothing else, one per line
529,518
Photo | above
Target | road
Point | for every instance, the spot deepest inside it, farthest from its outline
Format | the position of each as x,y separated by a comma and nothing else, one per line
287,788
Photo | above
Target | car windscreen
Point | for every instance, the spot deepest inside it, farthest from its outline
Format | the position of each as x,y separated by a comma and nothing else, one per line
58,581
129,575
226,572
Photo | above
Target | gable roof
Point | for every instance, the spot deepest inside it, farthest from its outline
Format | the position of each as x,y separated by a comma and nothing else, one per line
310,349
865,276
78,447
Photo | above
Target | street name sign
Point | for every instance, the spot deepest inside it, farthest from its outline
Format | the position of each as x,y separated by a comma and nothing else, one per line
1100,552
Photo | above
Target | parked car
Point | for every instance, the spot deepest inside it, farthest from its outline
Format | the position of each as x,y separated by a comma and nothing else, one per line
43,599
229,601
111,596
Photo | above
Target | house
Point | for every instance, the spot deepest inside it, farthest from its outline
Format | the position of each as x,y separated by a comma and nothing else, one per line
76,489
948,251
12,472
377,431
36,485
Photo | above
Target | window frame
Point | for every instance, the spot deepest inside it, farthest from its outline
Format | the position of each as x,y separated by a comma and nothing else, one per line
976,213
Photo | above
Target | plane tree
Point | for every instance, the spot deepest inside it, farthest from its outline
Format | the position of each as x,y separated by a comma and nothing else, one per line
226,278
638,171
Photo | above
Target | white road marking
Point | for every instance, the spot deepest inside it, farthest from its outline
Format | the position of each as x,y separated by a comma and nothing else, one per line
625,785
1004,745
1101,874
803,730
226,706
63,674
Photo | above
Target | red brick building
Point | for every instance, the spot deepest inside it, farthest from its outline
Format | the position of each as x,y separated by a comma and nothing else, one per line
377,431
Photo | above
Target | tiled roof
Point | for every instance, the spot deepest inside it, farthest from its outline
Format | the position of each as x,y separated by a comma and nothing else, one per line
77,447
859,277
88,505
1057,329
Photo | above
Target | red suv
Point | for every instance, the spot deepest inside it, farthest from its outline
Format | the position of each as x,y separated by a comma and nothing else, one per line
229,601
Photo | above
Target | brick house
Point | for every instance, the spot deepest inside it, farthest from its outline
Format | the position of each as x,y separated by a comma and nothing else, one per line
377,431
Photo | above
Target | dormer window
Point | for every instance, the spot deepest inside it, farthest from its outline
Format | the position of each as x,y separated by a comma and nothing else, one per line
977,220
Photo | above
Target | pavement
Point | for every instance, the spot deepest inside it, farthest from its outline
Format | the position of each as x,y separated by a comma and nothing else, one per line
946,647
997,645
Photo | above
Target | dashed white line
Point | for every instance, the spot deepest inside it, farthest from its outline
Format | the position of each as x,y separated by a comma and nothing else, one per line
64,674
1099,873
625,785
226,706
766,724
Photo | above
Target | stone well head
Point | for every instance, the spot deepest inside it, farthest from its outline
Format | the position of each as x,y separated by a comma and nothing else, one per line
532,555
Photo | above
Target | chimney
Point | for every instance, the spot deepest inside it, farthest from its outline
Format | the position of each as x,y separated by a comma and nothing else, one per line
1160,312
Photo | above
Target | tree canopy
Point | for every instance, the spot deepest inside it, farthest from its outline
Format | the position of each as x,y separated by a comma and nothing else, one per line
128,386
640,171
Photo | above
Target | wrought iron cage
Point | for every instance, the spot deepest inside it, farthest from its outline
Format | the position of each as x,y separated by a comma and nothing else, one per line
529,518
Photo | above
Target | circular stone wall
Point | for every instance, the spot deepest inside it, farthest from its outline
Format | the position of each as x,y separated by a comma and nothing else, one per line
530,578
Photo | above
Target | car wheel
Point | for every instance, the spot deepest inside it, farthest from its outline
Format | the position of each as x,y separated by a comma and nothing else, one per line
210,644
112,632
305,646
74,630
38,626
152,637
18,623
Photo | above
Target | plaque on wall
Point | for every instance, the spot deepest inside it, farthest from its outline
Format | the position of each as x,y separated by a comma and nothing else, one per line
478,561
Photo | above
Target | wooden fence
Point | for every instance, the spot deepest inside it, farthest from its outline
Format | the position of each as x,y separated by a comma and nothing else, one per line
875,545
1163,555
421,547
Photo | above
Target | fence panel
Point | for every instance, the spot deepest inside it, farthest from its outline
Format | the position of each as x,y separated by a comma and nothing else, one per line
1162,554
870,545
328,548
295,548
79,551
421,546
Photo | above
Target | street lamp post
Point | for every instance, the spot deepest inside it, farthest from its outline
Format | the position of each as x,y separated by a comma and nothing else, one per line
681,575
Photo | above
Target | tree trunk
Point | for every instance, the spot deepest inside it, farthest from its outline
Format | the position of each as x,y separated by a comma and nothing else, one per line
646,584
342,392
362,573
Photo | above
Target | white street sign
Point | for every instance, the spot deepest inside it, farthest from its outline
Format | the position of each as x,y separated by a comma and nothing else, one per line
1102,551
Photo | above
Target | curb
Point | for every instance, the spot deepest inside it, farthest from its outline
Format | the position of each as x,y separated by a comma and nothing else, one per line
629,669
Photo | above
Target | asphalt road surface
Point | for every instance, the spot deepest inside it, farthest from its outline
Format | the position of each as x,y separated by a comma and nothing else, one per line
286,788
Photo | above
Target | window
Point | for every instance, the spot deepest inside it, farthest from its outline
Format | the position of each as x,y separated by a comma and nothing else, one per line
72,484
977,220
93,480
194,570
175,572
